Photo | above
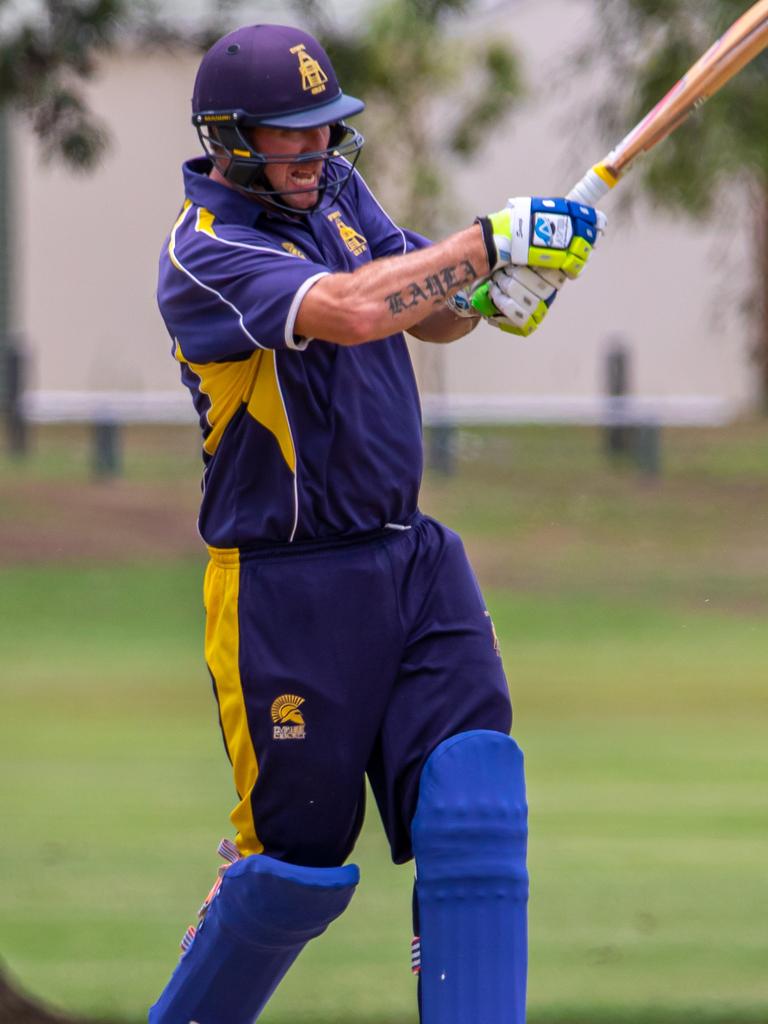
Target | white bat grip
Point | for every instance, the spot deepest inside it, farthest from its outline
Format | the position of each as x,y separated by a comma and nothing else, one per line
590,189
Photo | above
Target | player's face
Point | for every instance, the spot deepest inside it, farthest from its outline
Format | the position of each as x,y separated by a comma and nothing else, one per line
287,177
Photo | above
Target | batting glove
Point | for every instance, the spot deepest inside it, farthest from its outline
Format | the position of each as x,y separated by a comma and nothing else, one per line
516,299
556,234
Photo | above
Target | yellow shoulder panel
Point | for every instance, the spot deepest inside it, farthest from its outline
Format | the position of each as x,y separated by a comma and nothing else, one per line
251,381
205,221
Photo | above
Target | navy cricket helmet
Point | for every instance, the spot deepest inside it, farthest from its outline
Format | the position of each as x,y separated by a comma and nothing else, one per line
279,77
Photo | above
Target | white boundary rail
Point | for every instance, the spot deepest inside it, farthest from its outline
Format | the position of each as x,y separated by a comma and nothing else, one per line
158,407
628,410
107,407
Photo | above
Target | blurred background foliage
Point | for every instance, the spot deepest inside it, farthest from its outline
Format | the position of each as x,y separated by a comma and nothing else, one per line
716,164
427,98
430,99
400,57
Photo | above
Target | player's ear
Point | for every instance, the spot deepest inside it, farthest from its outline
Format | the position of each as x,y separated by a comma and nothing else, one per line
224,139
338,134
216,147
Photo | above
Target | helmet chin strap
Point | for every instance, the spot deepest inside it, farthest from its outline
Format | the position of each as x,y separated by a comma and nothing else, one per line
261,188
249,176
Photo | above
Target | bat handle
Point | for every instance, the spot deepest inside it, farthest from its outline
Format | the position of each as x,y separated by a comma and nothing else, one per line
596,183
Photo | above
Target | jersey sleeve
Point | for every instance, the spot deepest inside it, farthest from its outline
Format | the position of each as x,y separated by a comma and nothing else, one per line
384,236
225,291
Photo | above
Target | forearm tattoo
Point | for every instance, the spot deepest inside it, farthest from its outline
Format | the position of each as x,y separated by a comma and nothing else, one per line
434,289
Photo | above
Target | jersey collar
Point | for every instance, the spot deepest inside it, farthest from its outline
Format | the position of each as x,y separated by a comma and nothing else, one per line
229,206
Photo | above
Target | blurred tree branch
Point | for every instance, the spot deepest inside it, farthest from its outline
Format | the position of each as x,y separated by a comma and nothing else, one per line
432,90
49,51
721,152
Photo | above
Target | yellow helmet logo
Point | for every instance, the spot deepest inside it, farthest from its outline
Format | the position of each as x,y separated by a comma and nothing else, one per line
313,78
286,709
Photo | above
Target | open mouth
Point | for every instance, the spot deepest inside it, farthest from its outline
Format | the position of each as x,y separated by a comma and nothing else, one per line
303,178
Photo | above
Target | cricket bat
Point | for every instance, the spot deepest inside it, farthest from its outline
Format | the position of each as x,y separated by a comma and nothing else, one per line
741,43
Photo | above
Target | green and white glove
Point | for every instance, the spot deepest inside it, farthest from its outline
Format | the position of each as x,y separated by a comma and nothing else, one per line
516,299
557,234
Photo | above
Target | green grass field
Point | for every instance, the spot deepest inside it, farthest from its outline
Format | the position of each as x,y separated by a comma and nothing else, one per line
632,616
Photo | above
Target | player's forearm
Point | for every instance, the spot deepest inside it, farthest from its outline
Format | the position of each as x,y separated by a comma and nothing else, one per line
444,326
393,294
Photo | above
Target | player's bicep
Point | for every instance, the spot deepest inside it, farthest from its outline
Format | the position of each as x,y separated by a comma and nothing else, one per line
327,313
222,299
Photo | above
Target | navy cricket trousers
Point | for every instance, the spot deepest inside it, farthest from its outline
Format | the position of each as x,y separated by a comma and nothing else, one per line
330,661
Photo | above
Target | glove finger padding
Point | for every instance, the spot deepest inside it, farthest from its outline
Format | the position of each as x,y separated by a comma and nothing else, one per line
515,299
514,280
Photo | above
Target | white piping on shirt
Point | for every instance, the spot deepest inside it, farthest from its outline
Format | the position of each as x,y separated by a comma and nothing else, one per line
293,312
248,245
397,227
204,481
294,307
180,266
295,455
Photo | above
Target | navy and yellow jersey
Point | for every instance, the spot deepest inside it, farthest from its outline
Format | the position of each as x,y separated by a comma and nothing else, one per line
302,439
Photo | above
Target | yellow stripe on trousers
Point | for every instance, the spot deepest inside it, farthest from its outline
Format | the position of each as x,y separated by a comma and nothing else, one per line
222,653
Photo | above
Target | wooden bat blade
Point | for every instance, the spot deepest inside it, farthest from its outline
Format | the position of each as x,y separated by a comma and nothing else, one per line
741,43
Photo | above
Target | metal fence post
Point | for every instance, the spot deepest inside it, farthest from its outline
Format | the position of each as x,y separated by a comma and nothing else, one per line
627,435
10,366
107,449
646,448
13,378
441,447
617,436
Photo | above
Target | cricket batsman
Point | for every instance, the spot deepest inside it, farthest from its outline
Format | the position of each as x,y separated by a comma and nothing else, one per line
345,631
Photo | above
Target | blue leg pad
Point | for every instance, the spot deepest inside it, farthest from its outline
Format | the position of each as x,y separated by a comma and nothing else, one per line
263,914
469,840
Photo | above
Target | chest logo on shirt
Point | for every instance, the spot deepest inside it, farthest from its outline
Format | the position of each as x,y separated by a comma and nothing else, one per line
294,250
288,719
354,241
313,78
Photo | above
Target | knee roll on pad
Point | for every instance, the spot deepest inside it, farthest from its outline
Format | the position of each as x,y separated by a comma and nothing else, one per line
263,914
469,839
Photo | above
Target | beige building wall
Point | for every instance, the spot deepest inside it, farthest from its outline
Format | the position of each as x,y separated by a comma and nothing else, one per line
88,249
660,283
90,244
